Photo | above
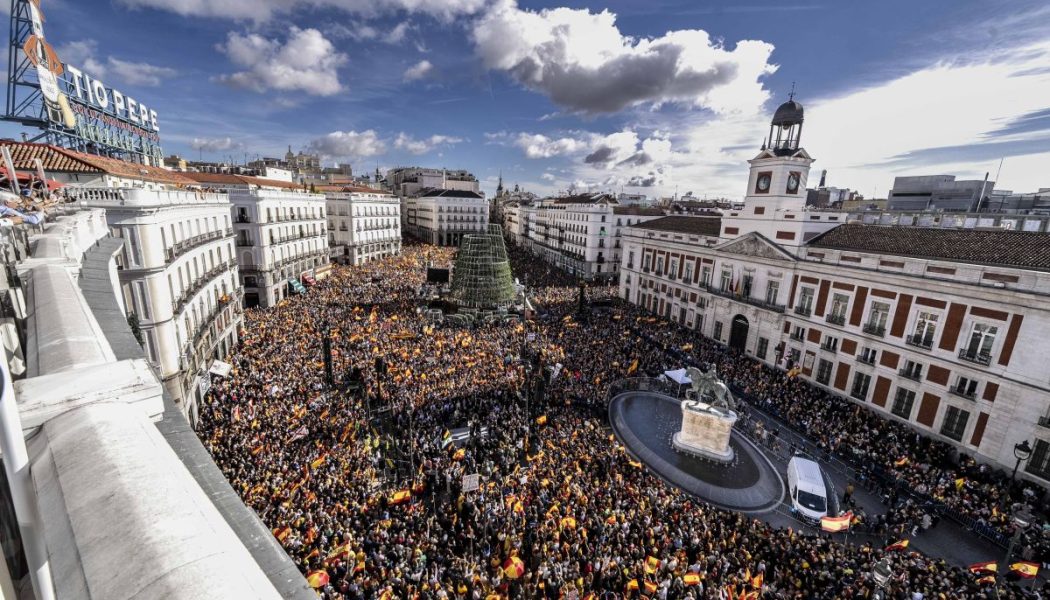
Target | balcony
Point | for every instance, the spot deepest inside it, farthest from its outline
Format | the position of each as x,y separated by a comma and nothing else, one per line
242,243
924,342
963,393
913,374
798,337
829,347
1044,422
244,219
876,330
836,319
179,248
868,359
979,358
804,310
717,291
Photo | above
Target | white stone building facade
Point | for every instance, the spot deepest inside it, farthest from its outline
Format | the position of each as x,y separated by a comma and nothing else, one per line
443,217
363,225
178,275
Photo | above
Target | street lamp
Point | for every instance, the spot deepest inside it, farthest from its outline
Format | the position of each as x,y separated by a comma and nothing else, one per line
1022,452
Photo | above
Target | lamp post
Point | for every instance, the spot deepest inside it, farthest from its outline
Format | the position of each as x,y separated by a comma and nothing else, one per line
1022,452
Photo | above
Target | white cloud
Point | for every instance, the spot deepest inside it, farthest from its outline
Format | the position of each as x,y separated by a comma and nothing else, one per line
264,10
425,145
214,144
418,70
137,73
349,144
306,62
549,177
398,33
584,63
84,54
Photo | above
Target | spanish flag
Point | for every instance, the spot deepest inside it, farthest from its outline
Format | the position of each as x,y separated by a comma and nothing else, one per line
1025,570
282,533
541,420
691,579
901,462
635,464
984,567
633,367
459,454
317,579
836,524
650,587
652,564
337,555
568,523
901,545
319,461
401,496
987,580
758,580
632,585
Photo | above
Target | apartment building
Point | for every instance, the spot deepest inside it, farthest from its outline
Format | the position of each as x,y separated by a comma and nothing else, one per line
442,217
363,224
282,244
581,234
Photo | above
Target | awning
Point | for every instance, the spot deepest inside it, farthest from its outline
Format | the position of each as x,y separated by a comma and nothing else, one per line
222,369
297,286
679,376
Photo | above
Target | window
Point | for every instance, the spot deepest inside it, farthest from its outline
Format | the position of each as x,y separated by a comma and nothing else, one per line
645,263
718,331
799,333
912,370
726,285
903,403
868,355
830,343
925,328
954,425
965,387
839,304
772,291
746,286
762,348
705,276
876,325
1039,464
630,259
979,347
688,276
699,323
660,265
674,268
861,381
824,371
805,302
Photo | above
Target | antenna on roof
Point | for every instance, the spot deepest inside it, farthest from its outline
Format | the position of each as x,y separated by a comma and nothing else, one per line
791,96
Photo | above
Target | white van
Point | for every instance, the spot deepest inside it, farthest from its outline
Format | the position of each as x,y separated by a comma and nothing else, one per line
809,498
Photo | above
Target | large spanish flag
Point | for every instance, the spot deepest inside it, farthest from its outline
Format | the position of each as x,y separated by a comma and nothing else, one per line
1026,570
652,564
650,587
691,579
401,496
901,545
836,524
282,533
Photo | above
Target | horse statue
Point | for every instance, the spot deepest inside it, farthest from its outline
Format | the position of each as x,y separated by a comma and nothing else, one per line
708,389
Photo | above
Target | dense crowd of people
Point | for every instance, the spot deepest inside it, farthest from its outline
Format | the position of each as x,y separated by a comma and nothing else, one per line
361,481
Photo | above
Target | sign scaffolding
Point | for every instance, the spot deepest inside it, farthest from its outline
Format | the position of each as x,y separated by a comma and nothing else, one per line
70,107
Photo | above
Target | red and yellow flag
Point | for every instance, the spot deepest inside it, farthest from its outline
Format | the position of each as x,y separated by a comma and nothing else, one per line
317,579
984,567
1025,570
401,496
900,545
691,579
282,533
652,564
836,524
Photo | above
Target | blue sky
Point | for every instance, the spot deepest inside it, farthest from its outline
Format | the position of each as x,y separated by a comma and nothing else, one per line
647,96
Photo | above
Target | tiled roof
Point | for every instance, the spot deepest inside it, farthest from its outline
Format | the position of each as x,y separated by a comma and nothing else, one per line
586,199
435,193
710,226
1018,249
61,160
231,179
638,211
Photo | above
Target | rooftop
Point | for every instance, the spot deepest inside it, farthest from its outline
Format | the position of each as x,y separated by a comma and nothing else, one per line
638,211
1017,249
709,226
585,199
61,160
436,193
231,179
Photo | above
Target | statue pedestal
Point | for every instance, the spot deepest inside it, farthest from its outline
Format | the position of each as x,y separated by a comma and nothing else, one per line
705,432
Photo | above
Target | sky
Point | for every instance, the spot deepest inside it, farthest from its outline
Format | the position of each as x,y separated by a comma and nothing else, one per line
654,97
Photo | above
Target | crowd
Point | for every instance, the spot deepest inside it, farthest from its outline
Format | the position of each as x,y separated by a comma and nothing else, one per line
362,487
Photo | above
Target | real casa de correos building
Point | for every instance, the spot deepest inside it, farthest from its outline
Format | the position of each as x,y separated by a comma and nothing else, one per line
936,321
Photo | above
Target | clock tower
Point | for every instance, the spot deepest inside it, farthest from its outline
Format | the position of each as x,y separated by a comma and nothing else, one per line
776,188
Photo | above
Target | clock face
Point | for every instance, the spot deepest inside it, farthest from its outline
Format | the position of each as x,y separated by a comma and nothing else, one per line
763,182
792,183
